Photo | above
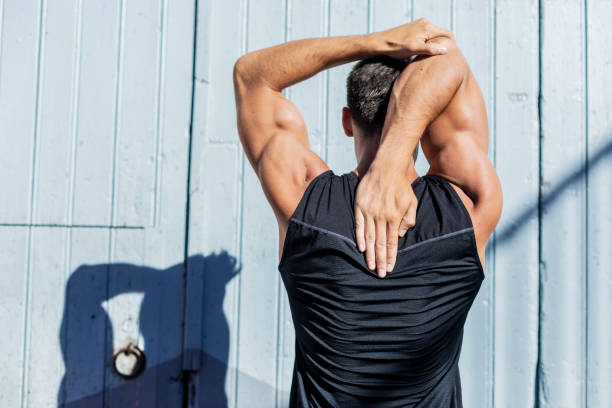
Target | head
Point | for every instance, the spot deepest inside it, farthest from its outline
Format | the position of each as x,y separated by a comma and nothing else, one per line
368,88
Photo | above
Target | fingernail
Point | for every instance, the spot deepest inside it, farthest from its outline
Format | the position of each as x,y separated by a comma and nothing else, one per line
389,267
381,273
361,248
442,49
371,265
402,232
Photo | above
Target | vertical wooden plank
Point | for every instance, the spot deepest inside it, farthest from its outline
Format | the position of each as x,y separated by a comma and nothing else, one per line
345,18
56,101
97,97
138,102
13,261
20,85
517,161
18,101
85,318
48,266
563,261
472,22
599,128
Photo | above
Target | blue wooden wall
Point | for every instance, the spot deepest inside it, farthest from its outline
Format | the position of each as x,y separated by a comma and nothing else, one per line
129,212
95,109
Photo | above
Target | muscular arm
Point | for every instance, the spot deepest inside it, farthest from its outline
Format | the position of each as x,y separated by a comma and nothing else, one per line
437,98
271,129
261,75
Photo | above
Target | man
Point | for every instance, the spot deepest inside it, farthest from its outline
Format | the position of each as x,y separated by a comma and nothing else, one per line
362,340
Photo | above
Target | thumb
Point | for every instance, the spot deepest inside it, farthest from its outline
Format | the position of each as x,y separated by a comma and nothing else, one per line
408,221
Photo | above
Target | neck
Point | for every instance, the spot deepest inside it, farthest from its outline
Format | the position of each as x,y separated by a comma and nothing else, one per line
362,169
366,153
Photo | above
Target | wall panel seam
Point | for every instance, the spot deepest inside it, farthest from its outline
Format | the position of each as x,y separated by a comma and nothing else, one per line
538,379
586,195
160,83
32,201
111,236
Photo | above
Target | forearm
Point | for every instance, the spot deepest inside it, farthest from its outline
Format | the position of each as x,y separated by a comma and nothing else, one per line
420,94
283,65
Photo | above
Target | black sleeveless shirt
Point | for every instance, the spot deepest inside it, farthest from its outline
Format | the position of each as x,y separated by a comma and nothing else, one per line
365,341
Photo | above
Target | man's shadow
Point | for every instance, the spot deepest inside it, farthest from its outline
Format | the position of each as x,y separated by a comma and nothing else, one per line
88,337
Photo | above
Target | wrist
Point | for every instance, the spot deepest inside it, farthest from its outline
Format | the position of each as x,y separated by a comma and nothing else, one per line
372,44
397,160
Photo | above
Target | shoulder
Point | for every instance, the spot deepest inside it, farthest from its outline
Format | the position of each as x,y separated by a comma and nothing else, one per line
285,170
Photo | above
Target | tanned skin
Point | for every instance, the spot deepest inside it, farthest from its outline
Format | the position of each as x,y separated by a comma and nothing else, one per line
275,139
437,100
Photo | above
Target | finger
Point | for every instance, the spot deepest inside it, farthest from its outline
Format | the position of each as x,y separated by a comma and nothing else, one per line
408,220
434,47
381,247
434,31
370,237
359,230
391,245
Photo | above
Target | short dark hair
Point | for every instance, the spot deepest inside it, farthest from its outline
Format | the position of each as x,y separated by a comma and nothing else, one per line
368,89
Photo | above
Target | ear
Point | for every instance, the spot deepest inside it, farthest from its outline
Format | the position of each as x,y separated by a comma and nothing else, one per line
347,122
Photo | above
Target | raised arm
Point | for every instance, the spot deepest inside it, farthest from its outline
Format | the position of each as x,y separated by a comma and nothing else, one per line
435,98
272,130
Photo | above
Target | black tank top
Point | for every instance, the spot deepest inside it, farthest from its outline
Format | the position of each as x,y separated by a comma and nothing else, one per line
365,341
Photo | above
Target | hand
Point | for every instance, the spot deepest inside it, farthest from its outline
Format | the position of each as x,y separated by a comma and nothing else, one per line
419,37
385,208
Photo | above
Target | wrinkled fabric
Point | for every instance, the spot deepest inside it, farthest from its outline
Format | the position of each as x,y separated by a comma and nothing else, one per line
365,341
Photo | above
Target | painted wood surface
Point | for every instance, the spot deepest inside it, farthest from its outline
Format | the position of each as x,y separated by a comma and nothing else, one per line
563,266
516,153
129,210
95,102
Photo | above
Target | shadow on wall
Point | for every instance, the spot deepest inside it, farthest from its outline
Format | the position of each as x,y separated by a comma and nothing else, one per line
550,196
97,295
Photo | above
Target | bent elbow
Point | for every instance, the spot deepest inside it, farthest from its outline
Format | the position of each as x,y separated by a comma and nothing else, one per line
239,71
455,63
